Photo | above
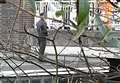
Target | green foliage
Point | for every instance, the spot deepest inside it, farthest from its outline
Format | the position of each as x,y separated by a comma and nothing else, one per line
59,13
82,17
82,10
80,29
115,42
102,28
108,38
105,31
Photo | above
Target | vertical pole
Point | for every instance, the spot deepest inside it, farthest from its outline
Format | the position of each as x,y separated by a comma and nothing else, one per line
56,57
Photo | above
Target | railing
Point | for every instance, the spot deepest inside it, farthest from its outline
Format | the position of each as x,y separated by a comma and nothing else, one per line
43,73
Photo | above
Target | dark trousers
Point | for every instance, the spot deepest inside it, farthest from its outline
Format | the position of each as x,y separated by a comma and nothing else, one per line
42,45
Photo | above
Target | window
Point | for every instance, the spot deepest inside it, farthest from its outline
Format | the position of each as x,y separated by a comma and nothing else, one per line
35,81
92,9
37,5
8,80
22,81
48,80
63,80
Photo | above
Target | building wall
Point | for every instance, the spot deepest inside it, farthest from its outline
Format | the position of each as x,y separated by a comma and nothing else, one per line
7,26
7,16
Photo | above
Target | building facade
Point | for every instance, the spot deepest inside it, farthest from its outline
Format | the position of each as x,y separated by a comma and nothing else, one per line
8,30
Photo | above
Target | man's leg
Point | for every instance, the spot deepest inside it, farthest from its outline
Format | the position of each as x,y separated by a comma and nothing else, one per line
42,47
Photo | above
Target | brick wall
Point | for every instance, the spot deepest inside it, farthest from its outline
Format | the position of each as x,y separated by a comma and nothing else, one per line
7,17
